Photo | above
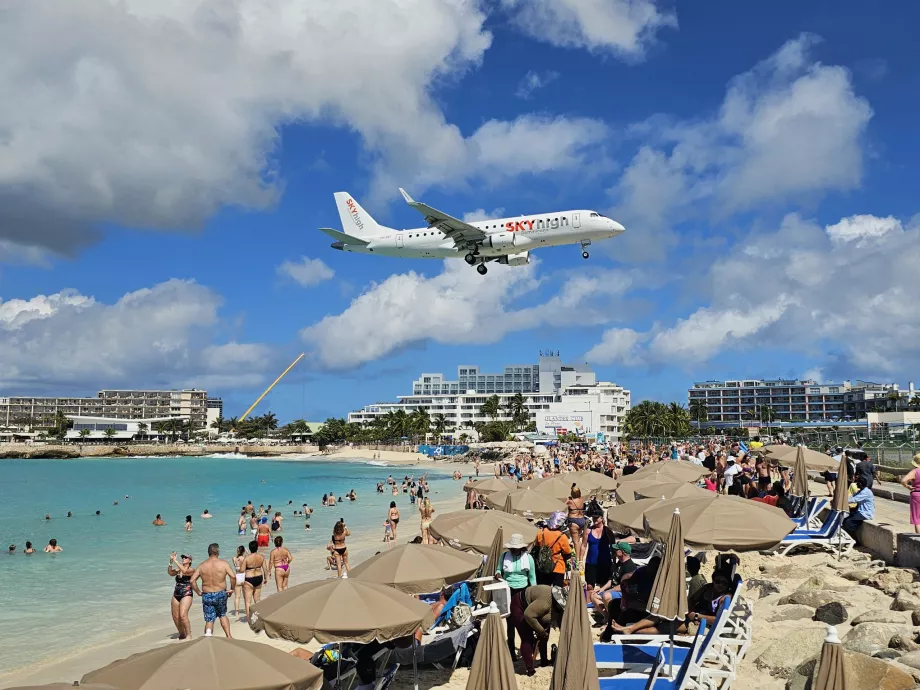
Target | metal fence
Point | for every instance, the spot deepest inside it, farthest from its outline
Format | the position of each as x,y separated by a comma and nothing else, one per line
891,454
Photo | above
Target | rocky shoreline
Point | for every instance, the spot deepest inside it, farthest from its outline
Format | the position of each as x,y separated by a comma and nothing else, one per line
33,451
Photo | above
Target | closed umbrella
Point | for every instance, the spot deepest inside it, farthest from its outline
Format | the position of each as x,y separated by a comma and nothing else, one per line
492,668
668,599
721,523
671,490
576,666
490,564
474,530
490,485
800,480
676,469
418,568
525,502
841,499
208,663
631,516
831,673
813,459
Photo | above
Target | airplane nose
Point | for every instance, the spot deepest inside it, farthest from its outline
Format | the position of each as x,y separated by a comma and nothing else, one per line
617,227
338,245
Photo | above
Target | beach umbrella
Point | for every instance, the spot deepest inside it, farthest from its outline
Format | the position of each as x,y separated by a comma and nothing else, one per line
671,490
813,459
841,498
800,480
559,486
207,663
626,492
668,599
65,686
490,485
721,523
631,516
418,568
525,502
473,530
340,610
492,668
675,469
576,666
490,564
831,673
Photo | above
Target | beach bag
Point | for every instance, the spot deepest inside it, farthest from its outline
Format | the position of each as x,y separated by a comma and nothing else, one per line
543,560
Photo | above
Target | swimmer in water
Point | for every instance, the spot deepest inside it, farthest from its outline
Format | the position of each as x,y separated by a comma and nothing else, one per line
12,549
53,547
206,515
188,523
69,514
29,548
47,516
158,521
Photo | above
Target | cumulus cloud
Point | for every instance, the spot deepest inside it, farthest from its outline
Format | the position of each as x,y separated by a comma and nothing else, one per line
788,129
534,81
849,300
455,306
622,27
159,336
306,272
482,214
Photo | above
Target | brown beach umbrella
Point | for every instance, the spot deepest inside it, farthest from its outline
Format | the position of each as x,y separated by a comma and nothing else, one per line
721,523
831,674
207,663
65,686
576,666
800,478
490,485
418,568
314,611
473,530
668,599
841,498
628,488
813,459
677,470
492,668
671,490
559,486
631,516
525,502
490,564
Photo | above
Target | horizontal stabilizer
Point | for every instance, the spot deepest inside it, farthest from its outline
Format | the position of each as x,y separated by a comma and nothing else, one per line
342,237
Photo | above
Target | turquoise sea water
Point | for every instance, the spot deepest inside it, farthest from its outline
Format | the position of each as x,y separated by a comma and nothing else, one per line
110,581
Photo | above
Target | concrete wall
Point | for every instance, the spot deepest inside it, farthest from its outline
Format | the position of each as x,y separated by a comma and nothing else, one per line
880,539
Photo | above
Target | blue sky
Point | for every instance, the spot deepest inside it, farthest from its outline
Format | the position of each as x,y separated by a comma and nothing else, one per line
163,161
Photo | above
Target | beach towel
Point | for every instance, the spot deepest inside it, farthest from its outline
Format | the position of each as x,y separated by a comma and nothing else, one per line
461,595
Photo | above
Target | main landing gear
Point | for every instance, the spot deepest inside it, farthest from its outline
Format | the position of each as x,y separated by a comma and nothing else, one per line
584,249
481,269
470,259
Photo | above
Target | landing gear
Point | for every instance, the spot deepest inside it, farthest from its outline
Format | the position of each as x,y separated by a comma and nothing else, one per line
584,249
585,255
481,269
470,259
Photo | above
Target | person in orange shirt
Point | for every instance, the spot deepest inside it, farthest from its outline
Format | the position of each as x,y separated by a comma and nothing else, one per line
551,537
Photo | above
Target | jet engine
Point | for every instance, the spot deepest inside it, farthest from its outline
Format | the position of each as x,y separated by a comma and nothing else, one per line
520,259
500,240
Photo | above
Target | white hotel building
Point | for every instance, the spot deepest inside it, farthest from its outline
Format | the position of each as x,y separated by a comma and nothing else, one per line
560,398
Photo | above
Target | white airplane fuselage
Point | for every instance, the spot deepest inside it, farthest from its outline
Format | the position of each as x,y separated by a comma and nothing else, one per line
505,236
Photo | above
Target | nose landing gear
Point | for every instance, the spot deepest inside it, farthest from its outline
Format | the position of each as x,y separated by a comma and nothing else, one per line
584,249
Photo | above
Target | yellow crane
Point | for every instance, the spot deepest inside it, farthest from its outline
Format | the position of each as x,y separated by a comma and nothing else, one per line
274,383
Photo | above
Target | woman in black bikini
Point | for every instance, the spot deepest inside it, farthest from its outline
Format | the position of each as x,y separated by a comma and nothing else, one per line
338,548
181,600
255,571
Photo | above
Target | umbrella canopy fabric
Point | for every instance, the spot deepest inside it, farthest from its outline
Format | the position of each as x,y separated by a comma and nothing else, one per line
668,599
316,611
490,564
631,516
576,665
492,668
64,686
841,494
207,663
676,469
589,483
831,674
473,530
800,477
490,485
813,459
418,568
671,490
525,502
722,523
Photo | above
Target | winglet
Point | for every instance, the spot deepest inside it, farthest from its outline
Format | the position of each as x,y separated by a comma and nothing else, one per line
409,199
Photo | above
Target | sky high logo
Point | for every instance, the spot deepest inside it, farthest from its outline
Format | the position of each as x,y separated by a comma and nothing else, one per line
353,210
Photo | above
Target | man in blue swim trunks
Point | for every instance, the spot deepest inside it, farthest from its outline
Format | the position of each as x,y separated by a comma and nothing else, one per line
214,592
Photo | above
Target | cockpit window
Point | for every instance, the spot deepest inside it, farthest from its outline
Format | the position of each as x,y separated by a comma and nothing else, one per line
594,215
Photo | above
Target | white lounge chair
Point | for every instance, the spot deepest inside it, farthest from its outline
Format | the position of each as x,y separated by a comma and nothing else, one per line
830,536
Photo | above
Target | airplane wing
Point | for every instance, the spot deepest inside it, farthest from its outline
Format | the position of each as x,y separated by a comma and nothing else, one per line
454,228
342,237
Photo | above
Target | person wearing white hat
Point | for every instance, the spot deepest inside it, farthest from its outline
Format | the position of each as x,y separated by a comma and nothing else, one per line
517,568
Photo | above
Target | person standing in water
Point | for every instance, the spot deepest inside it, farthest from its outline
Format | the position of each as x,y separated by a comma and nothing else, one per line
241,523
181,601
53,547
393,517
239,566
213,574
263,532
255,570
426,511
188,523
158,521
338,548
279,563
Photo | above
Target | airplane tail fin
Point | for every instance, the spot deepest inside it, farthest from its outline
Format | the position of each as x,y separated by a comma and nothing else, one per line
355,220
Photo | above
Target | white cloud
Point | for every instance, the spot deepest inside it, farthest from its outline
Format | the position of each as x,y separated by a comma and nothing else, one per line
814,374
159,336
534,81
306,272
455,306
863,229
622,27
482,214
787,129
618,345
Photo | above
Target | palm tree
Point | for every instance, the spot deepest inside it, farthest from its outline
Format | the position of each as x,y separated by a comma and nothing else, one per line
491,408
109,433
268,421
398,425
439,426
914,402
84,433
517,410
894,398
699,412
142,429
678,419
420,423
464,437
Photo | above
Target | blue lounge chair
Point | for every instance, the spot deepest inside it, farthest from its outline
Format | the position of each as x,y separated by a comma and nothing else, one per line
830,536
657,680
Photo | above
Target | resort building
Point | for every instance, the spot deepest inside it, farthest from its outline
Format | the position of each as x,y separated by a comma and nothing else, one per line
557,396
732,403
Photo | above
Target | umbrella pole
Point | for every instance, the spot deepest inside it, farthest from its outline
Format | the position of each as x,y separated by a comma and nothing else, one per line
414,663
671,660
338,668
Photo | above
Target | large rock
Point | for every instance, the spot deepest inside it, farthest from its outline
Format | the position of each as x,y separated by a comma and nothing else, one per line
882,616
905,600
763,588
862,673
785,571
791,612
811,597
787,653
888,654
857,575
915,617
868,638
890,580
833,613
904,642
911,659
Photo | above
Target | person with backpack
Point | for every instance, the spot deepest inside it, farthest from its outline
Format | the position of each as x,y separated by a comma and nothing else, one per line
551,551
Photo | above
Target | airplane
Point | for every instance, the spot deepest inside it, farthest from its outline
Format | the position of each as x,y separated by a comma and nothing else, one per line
504,240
